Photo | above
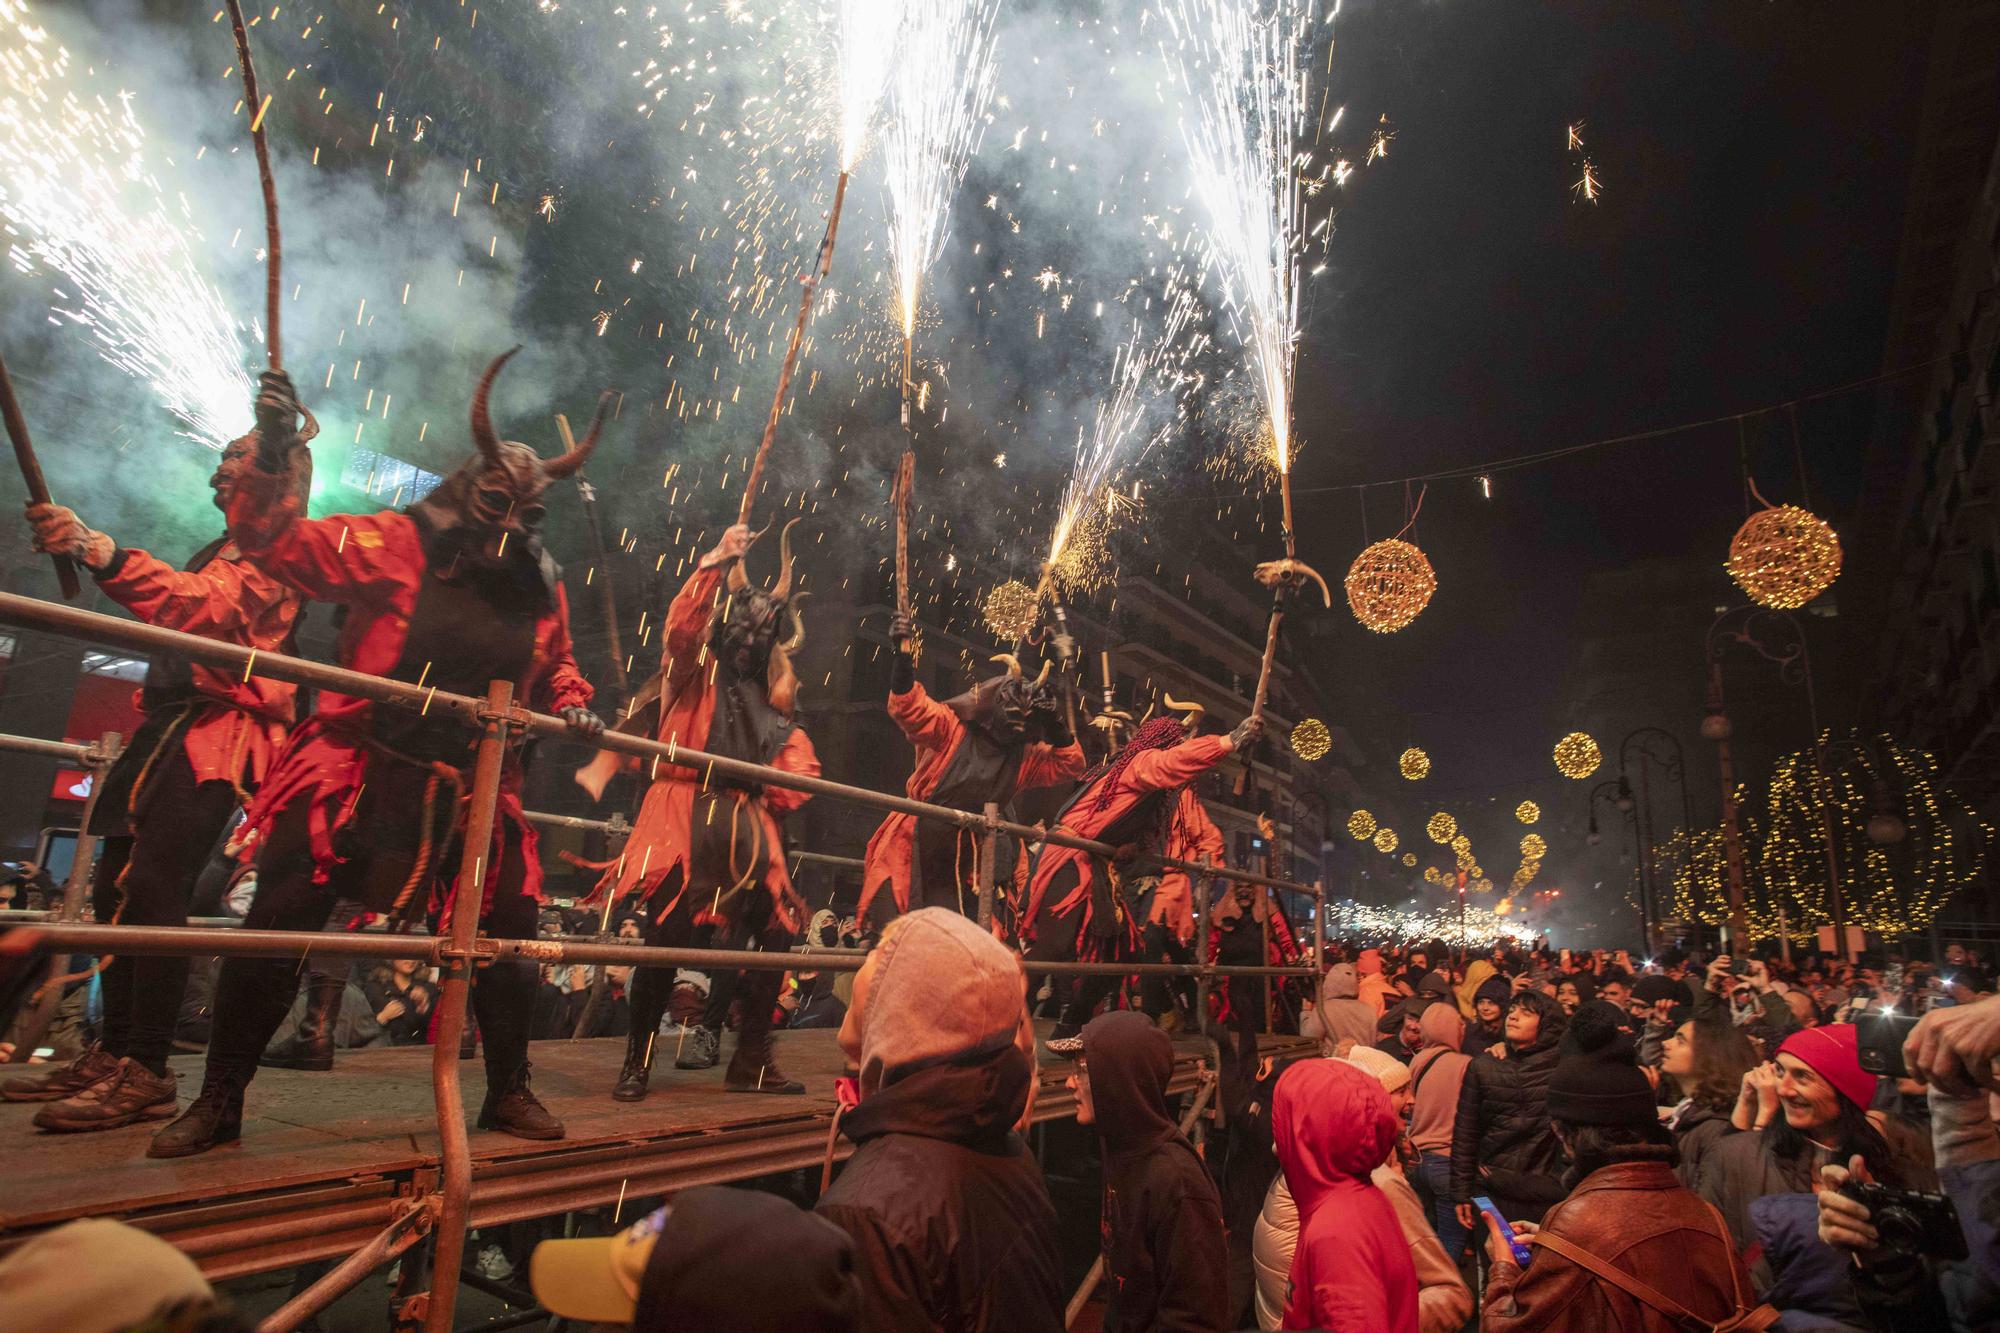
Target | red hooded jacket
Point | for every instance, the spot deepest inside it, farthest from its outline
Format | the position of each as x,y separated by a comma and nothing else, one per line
1351,1271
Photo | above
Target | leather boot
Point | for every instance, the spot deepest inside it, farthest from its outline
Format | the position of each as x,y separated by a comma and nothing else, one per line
752,1068
311,1045
511,1107
214,1118
638,1067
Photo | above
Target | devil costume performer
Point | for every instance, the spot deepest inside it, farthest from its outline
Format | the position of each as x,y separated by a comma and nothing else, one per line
706,852
977,748
1191,836
207,740
367,802
1076,904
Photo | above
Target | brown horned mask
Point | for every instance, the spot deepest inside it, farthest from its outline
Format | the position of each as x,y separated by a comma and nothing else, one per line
505,482
745,629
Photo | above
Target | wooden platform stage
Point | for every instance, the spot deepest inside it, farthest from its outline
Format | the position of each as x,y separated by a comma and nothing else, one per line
325,1156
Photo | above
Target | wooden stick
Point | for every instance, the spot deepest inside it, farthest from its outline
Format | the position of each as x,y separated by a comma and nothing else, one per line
810,288
905,482
31,473
273,247
1270,653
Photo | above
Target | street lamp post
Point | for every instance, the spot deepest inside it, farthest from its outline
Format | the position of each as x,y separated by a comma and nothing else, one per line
1606,792
1648,742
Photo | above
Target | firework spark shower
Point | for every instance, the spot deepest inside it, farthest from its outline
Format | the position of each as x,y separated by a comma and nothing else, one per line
1240,65
80,188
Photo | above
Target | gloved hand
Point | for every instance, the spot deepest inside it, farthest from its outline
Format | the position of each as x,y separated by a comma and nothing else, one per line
902,640
901,631
1248,732
58,531
736,541
277,410
582,723
1049,715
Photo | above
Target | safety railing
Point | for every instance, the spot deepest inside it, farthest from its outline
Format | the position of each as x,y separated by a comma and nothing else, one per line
458,948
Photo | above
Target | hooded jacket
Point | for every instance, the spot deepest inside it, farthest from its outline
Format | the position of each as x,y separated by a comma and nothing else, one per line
1375,989
953,1229
1161,1218
1478,1037
1438,1075
1502,1145
1477,972
1351,1271
1339,1016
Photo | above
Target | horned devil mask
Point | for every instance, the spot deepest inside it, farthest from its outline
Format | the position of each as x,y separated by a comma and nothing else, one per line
1004,706
752,625
495,500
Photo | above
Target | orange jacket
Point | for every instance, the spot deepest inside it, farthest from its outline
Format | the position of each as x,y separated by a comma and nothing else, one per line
234,738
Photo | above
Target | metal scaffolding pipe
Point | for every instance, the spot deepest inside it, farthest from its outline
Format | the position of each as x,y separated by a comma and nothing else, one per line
66,750
51,617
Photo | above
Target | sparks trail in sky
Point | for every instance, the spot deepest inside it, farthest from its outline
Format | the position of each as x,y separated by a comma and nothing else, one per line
1104,448
80,193
942,84
1240,65
869,32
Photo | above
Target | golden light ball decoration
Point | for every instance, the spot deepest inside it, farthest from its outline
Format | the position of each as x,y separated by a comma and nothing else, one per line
1527,812
1389,584
1462,845
1577,756
1410,859
1784,556
1414,764
1442,828
1432,875
1534,847
1010,610
1361,825
1385,840
1311,740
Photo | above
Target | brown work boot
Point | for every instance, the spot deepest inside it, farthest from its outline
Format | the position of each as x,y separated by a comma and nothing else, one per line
132,1093
752,1068
511,1107
213,1119
631,1085
53,1082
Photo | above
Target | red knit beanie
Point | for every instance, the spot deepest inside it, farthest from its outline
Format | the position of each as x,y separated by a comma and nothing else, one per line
1834,1053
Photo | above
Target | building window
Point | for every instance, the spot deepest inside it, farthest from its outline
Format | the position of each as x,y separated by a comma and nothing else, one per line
387,478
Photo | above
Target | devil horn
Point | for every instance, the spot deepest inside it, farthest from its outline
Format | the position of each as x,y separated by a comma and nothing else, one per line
1194,711
783,587
579,453
797,638
1013,664
482,416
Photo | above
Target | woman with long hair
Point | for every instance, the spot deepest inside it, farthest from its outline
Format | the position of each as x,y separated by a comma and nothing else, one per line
1707,1060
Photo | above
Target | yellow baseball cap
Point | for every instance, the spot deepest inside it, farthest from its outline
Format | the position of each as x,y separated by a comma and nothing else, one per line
596,1279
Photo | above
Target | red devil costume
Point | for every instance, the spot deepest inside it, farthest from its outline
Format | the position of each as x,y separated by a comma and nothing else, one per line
1191,836
367,802
208,739
979,747
707,852
1076,904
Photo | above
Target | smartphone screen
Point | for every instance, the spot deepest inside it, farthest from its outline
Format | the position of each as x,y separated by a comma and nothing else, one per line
1514,1243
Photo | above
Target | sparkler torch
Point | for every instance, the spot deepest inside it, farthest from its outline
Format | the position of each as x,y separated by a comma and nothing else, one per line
31,473
900,496
810,288
273,248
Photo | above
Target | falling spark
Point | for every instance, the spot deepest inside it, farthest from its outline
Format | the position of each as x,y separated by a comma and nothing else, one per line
943,81
869,31
1245,75
1576,136
1587,186
78,182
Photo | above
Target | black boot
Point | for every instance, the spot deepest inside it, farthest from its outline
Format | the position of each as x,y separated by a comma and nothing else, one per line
638,1067
311,1045
752,1068
511,1107
215,1118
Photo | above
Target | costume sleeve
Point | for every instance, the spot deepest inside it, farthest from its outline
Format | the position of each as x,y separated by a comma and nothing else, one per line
688,613
216,602
1045,765
1551,1292
795,756
1207,838
1465,1136
928,724
562,685
1194,1293
345,558
1177,765
892,1286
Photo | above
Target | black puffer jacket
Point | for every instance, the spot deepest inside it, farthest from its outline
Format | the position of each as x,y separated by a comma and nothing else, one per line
1501,1143
953,1229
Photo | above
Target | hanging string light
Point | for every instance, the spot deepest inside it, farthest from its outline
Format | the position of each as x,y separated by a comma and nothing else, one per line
1577,756
1389,584
1442,827
1311,739
1784,556
1527,812
1414,764
1361,825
